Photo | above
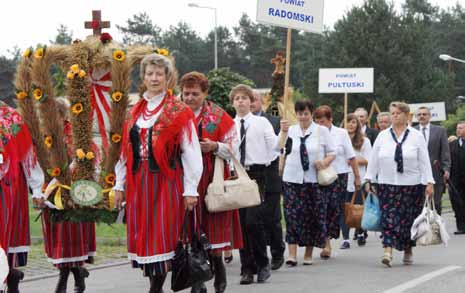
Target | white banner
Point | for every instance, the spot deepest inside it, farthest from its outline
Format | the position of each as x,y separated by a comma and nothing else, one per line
304,15
345,80
438,110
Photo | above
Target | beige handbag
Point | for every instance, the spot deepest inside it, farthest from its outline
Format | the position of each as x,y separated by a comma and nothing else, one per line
231,194
328,175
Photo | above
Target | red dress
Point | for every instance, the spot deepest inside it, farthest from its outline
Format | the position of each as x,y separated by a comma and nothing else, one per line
69,244
16,156
154,200
223,229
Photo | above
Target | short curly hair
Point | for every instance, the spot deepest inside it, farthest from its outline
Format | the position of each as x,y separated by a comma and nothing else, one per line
241,88
162,61
194,78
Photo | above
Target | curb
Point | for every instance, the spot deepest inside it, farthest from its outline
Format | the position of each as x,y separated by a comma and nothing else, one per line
93,268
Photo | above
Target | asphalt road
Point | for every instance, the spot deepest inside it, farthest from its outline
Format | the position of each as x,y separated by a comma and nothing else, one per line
435,269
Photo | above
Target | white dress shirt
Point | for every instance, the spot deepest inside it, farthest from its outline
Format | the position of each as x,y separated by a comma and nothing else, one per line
364,153
344,149
191,155
293,170
260,140
427,131
383,169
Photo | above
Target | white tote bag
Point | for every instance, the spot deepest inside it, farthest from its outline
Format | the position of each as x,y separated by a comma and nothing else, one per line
328,175
429,228
231,194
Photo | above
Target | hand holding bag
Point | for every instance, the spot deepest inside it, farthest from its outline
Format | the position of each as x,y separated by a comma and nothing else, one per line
353,212
226,195
371,219
191,264
327,175
429,231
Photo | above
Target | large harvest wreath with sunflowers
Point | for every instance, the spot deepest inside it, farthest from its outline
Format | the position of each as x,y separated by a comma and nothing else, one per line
38,105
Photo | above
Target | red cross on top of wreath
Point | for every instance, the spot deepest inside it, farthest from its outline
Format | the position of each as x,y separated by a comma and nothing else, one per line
97,24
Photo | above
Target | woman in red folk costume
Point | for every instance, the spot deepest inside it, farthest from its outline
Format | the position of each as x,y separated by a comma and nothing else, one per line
216,131
18,169
160,168
68,245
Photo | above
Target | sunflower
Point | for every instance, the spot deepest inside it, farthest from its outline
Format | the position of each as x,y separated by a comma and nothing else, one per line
48,141
110,179
115,138
74,68
119,55
90,156
80,154
21,95
82,73
27,53
170,92
163,52
38,94
39,53
77,109
70,75
55,172
116,96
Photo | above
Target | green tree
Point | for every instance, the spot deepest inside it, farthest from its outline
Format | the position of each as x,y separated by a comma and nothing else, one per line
64,37
221,81
140,30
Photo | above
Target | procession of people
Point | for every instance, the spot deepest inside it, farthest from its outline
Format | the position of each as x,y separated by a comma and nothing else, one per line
167,162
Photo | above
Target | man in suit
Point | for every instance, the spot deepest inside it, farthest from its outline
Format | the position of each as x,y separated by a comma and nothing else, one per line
370,133
273,182
438,148
457,178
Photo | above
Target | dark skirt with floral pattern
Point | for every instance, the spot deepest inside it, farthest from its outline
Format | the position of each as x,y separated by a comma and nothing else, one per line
335,195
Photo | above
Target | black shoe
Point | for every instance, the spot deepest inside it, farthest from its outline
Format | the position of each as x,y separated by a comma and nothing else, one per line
62,281
199,288
80,274
228,259
220,274
246,279
459,232
263,274
361,240
277,263
13,279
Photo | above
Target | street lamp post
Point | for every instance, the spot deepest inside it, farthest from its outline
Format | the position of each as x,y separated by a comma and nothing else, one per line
195,5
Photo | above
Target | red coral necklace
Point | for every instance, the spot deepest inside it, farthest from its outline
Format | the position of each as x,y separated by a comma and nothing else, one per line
147,114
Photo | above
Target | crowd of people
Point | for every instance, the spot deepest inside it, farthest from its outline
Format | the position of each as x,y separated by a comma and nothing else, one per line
167,162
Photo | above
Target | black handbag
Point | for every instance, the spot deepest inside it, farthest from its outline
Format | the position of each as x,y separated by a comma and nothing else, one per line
191,263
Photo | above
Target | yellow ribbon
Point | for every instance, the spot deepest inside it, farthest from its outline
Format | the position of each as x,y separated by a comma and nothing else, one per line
57,198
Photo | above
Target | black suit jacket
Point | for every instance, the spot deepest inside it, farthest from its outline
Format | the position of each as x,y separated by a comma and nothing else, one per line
273,182
456,166
371,134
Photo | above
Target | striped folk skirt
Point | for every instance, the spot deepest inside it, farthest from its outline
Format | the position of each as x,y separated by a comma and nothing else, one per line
400,206
154,214
6,195
305,214
19,240
68,244
335,195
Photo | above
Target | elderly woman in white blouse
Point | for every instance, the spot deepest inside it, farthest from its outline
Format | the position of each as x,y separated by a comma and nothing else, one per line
400,164
309,147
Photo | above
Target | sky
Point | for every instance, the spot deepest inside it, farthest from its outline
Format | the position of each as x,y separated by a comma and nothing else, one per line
26,23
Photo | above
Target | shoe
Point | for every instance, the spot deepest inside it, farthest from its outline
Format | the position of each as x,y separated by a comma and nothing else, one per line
308,262
220,274
263,274
345,244
228,259
80,274
325,254
459,232
62,280
199,288
277,263
387,259
246,279
14,277
291,262
361,240
408,259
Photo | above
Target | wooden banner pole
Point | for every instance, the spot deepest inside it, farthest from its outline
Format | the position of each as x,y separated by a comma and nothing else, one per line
286,96
346,109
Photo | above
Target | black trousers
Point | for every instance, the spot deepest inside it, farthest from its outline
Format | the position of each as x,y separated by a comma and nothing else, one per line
273,226
457,199
438,191
254,254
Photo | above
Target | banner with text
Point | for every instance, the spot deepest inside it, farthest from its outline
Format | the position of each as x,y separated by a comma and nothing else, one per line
345,80
304,15
438,110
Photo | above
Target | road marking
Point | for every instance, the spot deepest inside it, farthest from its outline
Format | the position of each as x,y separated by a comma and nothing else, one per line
423,279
